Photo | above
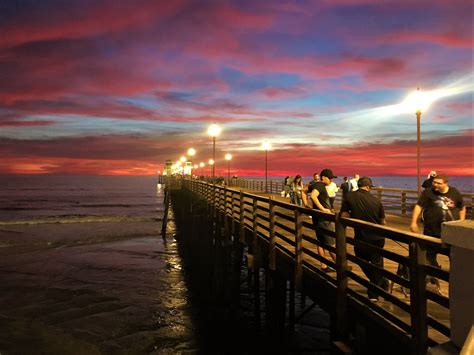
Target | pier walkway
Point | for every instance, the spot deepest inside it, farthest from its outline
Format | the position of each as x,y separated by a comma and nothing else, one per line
281,237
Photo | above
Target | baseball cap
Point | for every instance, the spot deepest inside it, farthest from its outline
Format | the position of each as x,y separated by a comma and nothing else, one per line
328,173
365,181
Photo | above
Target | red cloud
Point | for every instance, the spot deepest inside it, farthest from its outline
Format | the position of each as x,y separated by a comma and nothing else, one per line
451,39
14,123
143,155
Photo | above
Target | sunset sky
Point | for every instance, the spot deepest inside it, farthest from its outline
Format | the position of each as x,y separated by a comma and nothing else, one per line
117,87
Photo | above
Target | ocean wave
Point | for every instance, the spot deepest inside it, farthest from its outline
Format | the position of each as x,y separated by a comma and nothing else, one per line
115,205
78,219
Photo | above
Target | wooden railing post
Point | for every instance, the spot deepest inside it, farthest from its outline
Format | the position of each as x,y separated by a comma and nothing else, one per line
472,207
341,270
418,312
225,200
404,203
272,246
242,217
255,226
298,248
256,263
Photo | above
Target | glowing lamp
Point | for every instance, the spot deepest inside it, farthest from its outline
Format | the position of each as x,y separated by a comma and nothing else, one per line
214,130
266,145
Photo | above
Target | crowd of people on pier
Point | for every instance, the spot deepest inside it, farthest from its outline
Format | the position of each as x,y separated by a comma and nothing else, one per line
438,203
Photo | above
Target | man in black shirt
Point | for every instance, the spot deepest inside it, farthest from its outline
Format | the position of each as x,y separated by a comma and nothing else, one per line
320,198
439,203
345,187
361,204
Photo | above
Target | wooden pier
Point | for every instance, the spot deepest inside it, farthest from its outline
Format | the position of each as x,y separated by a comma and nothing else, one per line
281,238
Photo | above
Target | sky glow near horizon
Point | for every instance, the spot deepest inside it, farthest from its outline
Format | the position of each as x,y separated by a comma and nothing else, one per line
106,87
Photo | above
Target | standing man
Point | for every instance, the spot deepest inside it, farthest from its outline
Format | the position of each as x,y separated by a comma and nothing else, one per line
345,187
361,204
320,198
309,188
439,203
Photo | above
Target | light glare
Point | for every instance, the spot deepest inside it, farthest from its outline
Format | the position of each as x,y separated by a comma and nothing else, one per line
266,145
214,130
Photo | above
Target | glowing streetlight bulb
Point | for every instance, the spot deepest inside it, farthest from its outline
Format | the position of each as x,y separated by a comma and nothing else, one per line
214,130
182,159
191,152
266,145
417,101
201,164
196,166
228,156
211,162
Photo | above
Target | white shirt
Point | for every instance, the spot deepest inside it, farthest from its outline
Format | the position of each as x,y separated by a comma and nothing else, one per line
332,189
354,186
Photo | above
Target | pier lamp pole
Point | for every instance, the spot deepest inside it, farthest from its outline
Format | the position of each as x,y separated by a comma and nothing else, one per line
266,146
183,161
201,164
191,153
214,130
228,157
418,118
211,166
419,102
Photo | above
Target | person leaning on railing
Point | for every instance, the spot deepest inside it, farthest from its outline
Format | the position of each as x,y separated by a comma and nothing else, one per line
439,203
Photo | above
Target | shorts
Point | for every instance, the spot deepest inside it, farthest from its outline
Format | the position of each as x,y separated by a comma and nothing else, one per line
321,227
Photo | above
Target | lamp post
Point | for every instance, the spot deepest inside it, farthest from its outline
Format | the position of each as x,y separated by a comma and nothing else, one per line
418,102
418,168
191,153
214,130
266,146
201,164
183,161
228,157
211,165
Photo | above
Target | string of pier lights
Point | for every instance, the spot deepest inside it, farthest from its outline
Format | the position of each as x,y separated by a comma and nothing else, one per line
214,130
185,166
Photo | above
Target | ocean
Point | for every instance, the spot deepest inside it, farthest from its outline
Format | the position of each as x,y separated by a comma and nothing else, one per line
85,270
60,199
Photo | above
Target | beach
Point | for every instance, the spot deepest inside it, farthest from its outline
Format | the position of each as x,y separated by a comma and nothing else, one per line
92,288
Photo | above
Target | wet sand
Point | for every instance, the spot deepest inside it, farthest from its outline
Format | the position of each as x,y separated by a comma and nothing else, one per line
92,288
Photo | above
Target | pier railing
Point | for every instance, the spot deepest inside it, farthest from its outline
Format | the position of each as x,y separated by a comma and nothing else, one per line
396,201
419,316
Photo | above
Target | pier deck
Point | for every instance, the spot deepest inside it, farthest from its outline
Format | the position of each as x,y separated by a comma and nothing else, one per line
281,237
